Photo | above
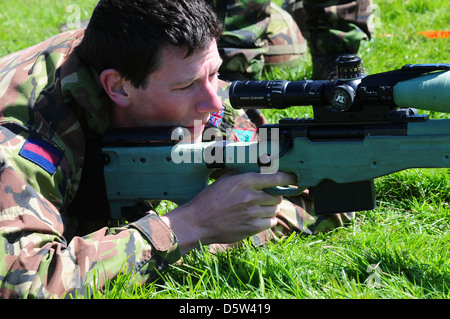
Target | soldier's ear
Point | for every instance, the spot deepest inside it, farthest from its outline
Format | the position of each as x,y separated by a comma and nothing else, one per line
115,86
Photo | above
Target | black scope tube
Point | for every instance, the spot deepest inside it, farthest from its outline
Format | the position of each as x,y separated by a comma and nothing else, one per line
278,94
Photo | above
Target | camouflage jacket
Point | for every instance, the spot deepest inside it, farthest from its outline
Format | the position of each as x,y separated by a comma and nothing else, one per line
47,101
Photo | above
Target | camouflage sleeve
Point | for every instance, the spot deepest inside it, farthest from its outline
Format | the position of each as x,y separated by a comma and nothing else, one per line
38,261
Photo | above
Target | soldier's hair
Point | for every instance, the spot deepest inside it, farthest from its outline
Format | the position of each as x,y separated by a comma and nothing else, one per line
129,35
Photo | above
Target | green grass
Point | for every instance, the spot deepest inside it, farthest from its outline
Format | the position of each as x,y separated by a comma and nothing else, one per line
32,21
399,250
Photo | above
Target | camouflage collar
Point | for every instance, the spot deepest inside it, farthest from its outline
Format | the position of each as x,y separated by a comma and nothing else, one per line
81,83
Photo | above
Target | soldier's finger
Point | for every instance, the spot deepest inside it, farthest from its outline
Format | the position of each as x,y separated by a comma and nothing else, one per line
261,181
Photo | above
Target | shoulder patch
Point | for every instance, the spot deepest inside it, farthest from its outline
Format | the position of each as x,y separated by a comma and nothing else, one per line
41,153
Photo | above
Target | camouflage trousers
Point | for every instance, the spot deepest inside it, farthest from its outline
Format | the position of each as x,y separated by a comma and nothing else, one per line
259,34
332,26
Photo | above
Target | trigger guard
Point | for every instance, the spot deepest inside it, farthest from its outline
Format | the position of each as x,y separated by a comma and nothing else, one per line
284,190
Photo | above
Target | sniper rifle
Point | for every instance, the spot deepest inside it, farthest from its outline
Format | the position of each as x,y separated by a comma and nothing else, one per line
364,127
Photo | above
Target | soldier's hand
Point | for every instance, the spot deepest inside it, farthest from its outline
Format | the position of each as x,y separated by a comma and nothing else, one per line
229,210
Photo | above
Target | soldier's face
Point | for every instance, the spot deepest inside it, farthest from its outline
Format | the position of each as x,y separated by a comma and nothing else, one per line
181,91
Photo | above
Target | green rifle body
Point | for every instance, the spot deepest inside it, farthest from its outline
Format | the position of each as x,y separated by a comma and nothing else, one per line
338,160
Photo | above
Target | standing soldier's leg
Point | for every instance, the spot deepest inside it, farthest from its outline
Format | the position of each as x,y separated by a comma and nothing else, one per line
243,45
332,28
258,34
